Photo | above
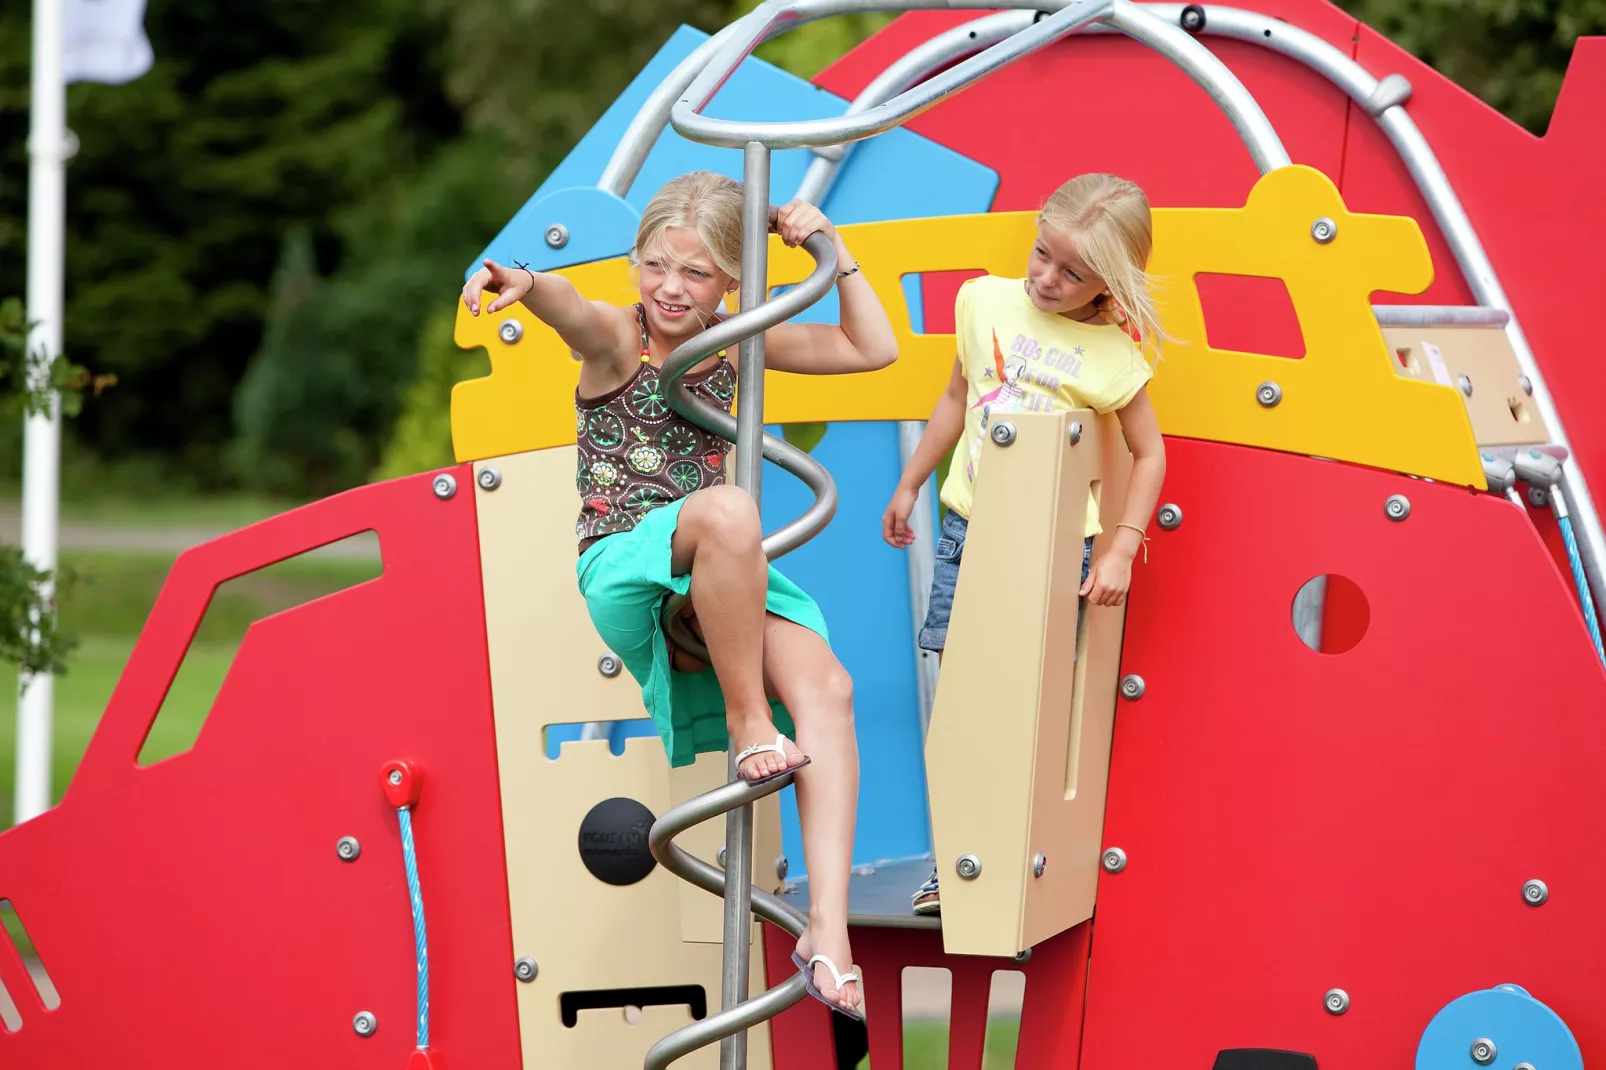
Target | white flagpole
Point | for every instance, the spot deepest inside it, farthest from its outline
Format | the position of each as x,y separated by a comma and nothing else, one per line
48,151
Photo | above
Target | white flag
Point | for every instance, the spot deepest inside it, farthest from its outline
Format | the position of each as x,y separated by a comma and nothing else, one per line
104,41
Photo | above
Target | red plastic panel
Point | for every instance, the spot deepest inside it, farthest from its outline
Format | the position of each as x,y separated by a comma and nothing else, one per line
1050,1024
1296,822
195,913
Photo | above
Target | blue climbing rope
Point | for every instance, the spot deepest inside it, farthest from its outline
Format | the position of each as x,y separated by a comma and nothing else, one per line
420,943
1577,563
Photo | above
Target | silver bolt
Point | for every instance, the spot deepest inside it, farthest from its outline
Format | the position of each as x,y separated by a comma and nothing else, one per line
1465,383
1523,1066
1324,230
510,331
782,866
1336,1001
445,485
395,776
1170,517
1268,394
1527,385
348,848
1538,497
1113,859
609,665
489,478
1397,507
969,867
1076,431
1003,432
1023,956
365,1023
557,235
1535,892
1483,1051
1132,687
720,857
1039,864
525,969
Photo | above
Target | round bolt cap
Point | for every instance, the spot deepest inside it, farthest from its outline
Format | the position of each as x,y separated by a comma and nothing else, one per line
489,478
1465,383
720,857
365,1023
1527,385
1483,1051
1039,864
1132,687
1523,1066
969,867
557,235
510,331
1324,230
1336,1001
782,867
444,486
1268,394
1538,497
1113,860
1003,432
609,665
1170,516
395,776
1076,431
1023,956
1535,892
1397,507
348,848
1193,18
525,969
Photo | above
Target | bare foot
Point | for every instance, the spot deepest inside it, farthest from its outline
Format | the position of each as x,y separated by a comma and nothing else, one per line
833,944
760,730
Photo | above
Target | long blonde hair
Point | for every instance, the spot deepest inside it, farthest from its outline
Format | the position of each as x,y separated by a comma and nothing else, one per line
1108,220
709,205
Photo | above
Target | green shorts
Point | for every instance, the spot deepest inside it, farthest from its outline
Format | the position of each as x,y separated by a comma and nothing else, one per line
625,579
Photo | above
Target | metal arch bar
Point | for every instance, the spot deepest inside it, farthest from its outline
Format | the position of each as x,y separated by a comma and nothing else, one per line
1440,316
1169,40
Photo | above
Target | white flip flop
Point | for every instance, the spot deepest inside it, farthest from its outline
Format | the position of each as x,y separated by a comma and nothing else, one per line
778,747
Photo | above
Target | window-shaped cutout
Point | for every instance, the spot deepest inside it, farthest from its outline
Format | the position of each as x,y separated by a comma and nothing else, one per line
10,1020
234,607
1073,746
631,1000
1519,409
12,928
928,1003
1250,314
1405,356
930,298
1004,1000
1331,614
554,736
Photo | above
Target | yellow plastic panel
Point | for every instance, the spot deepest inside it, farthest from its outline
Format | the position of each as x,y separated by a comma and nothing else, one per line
1342,400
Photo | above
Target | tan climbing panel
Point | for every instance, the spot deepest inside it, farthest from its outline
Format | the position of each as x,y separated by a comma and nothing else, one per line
585,934
1017,758
1501,411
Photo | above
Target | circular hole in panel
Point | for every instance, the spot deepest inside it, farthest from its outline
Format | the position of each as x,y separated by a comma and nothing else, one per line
1331,614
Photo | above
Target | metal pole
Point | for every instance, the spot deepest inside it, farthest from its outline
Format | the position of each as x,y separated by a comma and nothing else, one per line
41,449
749,476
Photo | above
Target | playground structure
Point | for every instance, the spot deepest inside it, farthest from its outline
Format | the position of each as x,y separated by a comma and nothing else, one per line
1366,842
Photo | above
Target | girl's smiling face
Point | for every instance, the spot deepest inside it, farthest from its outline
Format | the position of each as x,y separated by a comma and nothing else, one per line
681,287
1057,279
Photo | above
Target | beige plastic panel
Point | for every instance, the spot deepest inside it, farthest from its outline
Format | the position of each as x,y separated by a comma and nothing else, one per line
1501,413
585,934
1017,758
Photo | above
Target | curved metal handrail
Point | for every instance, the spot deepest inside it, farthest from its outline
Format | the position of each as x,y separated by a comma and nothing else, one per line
771,908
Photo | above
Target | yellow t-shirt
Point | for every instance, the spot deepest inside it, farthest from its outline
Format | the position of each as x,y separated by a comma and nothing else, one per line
1019,359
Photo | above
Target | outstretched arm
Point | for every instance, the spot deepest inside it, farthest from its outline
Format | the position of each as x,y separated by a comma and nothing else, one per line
862,341
942,433
590,328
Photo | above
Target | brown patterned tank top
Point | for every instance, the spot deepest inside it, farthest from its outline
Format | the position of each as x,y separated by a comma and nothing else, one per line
635,453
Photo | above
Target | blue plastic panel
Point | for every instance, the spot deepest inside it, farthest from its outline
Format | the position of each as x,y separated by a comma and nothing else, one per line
1522,1030
859,581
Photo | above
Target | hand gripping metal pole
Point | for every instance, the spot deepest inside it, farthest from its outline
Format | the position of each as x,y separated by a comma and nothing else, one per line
735,799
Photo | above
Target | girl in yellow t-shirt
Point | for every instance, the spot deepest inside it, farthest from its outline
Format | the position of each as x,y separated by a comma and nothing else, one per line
1069,335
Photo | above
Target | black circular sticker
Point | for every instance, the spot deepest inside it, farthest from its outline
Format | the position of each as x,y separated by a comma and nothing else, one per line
613,841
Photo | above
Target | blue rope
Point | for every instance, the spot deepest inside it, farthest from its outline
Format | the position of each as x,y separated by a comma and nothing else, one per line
1577,563
420,943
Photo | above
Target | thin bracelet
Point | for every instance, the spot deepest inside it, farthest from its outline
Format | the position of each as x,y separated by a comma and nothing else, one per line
526,269
845,274
1143,536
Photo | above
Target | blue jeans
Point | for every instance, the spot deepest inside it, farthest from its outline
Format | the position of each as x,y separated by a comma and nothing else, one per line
945,577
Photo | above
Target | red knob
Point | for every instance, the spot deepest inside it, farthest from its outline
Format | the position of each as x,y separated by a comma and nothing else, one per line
402,782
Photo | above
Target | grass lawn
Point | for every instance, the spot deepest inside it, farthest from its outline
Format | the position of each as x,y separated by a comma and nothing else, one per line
925,1046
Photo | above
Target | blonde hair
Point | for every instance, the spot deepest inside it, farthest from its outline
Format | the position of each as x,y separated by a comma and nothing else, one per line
1108,220
705,203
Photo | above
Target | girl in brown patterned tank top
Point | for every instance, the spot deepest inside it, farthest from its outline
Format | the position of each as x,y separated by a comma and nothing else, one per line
656,519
